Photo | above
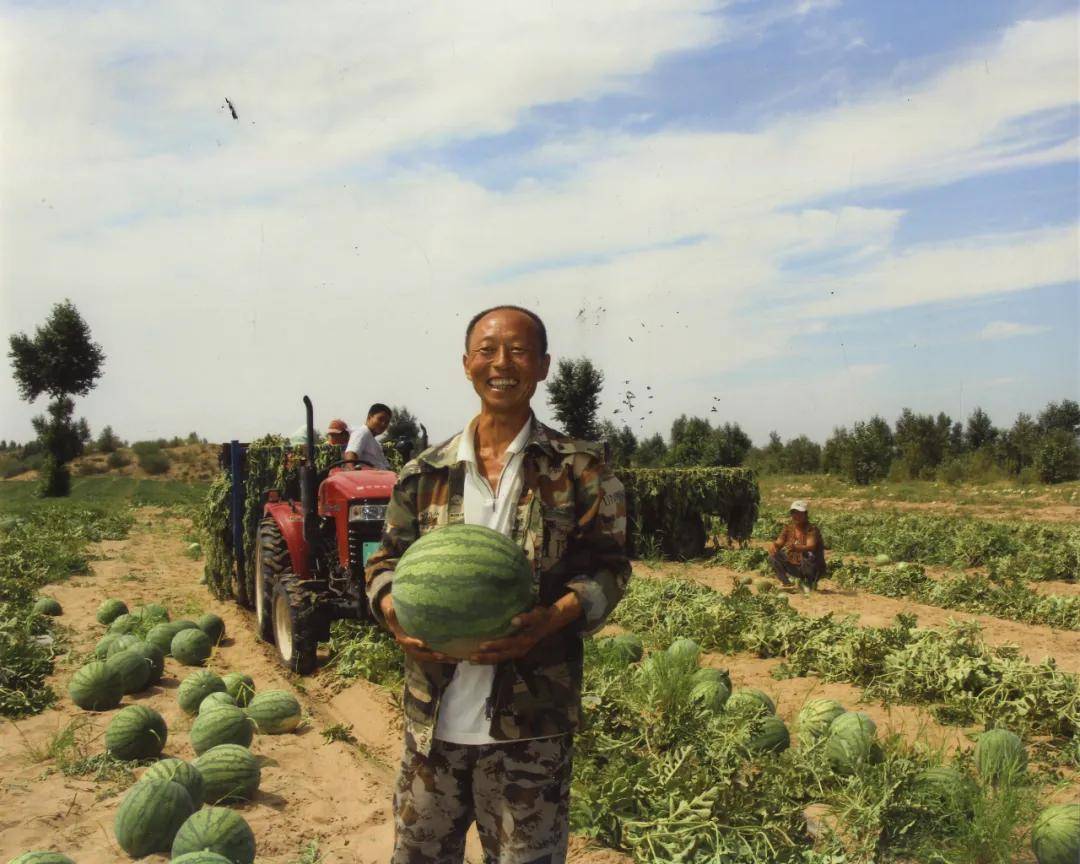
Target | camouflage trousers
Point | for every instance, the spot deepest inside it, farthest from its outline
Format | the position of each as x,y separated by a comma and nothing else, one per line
517,792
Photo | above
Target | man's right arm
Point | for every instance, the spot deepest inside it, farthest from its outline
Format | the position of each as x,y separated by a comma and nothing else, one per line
780,542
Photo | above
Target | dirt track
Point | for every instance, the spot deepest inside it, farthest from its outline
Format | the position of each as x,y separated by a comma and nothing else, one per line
335,793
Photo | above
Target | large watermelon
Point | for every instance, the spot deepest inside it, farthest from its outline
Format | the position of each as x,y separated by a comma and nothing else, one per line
240,686
110,610
225,725
685,650
769,735
274,712
751,700
120,642
999,755
1055,837
851,742
153,656
230,773
150,815
96,687
136,732
216,700
196,687
814,720
710,687
625,648
216,829
41,858
461,585
163,634
101,650
191,647
212,626
124,623
179,771
133,669
944,789
201,857
47,606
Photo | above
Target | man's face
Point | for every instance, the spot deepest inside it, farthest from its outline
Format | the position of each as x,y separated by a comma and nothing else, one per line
798,517
504,362
338,439
378,423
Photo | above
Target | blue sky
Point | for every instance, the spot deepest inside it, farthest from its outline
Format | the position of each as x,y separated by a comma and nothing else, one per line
818,209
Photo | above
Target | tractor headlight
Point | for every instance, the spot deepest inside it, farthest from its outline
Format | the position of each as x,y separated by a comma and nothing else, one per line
367,512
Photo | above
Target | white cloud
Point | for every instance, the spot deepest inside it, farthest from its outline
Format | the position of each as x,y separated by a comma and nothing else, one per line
199,247
1009,329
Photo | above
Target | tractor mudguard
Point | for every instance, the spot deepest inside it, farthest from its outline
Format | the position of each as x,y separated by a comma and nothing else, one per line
291,523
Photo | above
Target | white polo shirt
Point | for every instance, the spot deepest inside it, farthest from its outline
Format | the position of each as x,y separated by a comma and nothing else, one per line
461,713
364,445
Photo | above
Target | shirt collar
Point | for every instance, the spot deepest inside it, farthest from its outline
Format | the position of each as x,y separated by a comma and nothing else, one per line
467,450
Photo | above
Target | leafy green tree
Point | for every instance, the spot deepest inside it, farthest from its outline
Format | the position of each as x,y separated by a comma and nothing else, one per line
107,441
732,445
801,456
1064,415
1058,457
621,443
1020,444
61,360
574,397
922,442
692,443
980,431
871,451
835,451
651,453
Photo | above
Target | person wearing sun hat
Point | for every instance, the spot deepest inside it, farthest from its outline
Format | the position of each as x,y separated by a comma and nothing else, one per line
799,551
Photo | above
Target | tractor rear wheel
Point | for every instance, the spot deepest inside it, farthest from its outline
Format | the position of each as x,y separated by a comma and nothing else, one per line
271,561
294,625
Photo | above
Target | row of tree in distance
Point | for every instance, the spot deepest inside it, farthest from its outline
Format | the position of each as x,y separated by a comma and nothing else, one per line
917,446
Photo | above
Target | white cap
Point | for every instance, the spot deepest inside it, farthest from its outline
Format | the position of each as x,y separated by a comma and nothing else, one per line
799,505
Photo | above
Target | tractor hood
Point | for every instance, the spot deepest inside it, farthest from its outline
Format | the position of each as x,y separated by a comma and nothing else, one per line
341,487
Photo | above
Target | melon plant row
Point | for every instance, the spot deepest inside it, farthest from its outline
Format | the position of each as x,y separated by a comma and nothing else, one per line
1022,550
900,663
46,545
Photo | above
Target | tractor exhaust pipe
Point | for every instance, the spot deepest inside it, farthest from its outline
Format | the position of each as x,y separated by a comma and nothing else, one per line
308,491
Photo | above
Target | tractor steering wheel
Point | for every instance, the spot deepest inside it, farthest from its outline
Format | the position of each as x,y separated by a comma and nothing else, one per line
341,462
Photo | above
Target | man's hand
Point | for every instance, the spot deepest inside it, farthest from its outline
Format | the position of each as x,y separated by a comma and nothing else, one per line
415,648
534,625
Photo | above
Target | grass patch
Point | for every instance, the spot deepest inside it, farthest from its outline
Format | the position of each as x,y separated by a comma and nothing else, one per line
105,493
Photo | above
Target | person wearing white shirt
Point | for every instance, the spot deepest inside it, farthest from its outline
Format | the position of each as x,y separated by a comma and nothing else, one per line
362,447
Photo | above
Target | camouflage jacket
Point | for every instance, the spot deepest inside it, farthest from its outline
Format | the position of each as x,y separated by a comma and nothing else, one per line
571,522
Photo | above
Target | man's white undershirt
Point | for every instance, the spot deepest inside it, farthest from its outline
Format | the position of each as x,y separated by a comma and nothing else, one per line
461,713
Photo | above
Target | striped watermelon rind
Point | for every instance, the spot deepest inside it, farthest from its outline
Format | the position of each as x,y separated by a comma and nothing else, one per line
213,626
154,656
224,725
124,623
751,700
133,669
136,732
216,829
120,642
1055,836
240,686
850,742
216,700
111,609
101,650
163,634
815,718
275,712
191,647
230,773
461,585
196,687
1000,755
48,606
179,771
150,816
41,858
96,687
770,736
201,857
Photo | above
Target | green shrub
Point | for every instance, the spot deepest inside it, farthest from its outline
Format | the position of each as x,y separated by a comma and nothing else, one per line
154,462
118,459
1058,457
55,480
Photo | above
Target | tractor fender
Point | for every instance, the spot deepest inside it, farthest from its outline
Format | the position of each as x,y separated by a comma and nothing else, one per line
291,524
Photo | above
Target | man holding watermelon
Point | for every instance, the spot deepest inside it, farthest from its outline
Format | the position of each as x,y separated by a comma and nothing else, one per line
489,736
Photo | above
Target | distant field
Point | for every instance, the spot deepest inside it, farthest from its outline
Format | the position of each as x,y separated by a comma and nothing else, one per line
106,493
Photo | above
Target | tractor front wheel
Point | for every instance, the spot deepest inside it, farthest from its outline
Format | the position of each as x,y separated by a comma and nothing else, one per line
271,561
294,626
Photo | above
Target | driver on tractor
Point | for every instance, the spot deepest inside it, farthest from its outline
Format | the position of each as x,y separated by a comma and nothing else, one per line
362,448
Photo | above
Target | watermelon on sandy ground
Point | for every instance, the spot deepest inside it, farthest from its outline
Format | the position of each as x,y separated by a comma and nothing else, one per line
196,687
461,585
240,686
274,712
179,771
216,829
136,732
226,724
230,773
96,687
111,609
150,815
41,858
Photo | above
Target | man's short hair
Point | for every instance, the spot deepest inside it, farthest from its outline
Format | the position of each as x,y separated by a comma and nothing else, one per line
379,408
541,330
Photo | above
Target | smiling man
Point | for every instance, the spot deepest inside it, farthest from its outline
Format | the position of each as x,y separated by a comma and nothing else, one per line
490,740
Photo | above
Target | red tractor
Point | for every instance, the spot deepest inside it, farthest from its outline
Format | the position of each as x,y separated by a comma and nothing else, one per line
310,553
